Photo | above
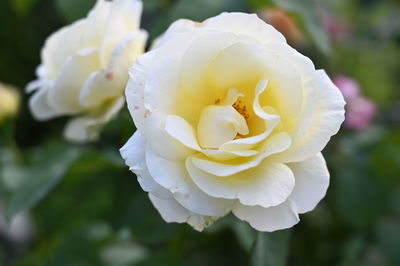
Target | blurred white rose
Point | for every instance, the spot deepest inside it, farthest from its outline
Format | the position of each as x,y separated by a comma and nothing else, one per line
230,118
9,101
84,68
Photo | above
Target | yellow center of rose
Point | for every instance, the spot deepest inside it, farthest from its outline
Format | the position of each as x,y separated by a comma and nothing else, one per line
223,121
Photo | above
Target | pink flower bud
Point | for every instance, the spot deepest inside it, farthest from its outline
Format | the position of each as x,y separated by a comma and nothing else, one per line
348,86
360,113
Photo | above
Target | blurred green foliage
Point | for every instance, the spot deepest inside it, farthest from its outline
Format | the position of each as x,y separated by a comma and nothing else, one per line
89,210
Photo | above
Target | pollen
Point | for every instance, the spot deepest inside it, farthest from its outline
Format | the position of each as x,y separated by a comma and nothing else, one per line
241,108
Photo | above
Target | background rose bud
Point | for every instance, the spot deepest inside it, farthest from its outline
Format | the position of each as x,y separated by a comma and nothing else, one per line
338,29
284,23
360,111
348,86
9,102
85,65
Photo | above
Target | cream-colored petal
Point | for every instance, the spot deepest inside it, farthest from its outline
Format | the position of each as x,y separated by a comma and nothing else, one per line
63,96
218,125
196,65
95,24
134,154
177,27
242,65
268,114
111,81
124,18
312,181
39,106
270,219
178,128
174,177
171,211
87,127
245,24
150,99
55,51
221,155
267,185
275,144
324,107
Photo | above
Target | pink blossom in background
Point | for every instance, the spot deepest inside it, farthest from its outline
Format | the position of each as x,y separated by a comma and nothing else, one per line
348,86
337,28
360,111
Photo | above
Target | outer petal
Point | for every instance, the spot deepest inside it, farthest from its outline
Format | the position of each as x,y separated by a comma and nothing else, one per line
87,128
268,219
124,18
40,107
174,177
95,24
267,185
64,95
110,81
324,105
172,211
55,52
149,102
245,24
312,180
134,154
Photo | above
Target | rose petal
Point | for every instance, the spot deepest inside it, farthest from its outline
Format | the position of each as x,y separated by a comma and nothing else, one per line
110,82
182,131
40,107
325,110
218,125
172,211
267,185
133,152
312,180
174,177
245,24
268,219
86,128
274,144
63,96
124,18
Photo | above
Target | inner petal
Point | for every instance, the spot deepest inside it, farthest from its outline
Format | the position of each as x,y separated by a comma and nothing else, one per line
219,124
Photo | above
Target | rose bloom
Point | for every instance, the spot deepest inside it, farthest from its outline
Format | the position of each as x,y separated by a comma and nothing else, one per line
85,65
230,118
9,102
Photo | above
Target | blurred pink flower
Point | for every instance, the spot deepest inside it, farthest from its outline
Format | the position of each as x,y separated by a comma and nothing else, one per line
337,28
360,111
348,86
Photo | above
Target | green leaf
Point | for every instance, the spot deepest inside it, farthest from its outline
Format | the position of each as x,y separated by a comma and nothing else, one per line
308,12
22,7
39,179
271,249
360,199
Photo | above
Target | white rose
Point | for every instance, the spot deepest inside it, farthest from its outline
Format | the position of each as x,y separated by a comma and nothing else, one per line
230,118
85,65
